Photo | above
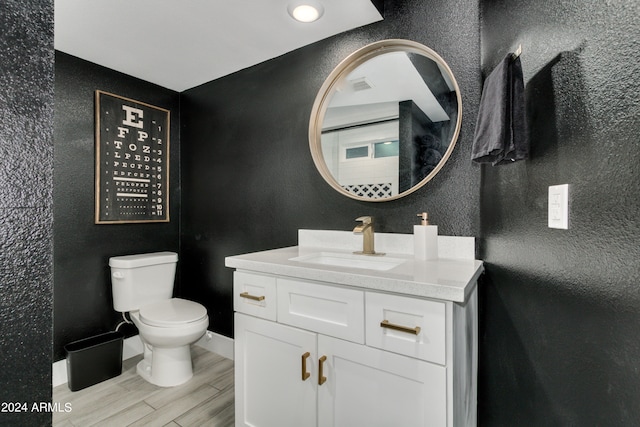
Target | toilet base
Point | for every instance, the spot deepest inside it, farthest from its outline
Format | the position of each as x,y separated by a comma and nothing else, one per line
166,367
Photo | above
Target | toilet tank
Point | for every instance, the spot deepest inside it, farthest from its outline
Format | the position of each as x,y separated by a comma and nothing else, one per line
141,279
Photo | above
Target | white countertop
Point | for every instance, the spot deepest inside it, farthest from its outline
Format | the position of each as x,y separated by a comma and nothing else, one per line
448,279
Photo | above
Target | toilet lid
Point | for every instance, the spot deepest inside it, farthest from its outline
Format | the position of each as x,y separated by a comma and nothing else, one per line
172,312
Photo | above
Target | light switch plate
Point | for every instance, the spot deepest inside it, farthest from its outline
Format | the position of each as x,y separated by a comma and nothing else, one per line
559,206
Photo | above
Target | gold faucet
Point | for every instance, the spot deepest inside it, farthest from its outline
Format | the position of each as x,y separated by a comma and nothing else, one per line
366,229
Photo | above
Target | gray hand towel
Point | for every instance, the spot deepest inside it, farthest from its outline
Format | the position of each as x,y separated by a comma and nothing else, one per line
501,135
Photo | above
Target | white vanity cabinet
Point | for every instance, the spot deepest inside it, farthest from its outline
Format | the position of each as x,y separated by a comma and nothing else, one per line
313,353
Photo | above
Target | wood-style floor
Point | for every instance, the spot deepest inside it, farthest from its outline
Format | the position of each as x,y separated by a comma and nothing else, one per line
128,400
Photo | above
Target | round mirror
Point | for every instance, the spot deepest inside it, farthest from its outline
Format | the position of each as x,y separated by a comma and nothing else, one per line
385,121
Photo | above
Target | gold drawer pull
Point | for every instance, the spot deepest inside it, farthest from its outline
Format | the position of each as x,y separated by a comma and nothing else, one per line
386,324
321,378
305,374
247,295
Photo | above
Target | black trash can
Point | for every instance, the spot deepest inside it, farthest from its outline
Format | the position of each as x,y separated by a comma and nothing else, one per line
93,360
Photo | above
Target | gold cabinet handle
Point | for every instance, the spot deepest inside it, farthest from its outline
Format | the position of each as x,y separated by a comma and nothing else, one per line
305,374
385,324
247,295
321,378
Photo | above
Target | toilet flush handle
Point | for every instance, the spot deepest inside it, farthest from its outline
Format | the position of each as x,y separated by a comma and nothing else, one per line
117,275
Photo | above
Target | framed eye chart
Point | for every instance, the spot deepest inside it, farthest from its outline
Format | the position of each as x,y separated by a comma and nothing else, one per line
132,161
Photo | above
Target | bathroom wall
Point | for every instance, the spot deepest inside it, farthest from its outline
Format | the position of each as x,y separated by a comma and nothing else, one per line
26,180
561,308
83,305
249,182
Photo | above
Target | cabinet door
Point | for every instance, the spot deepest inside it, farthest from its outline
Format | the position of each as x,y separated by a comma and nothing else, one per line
270,388
370,387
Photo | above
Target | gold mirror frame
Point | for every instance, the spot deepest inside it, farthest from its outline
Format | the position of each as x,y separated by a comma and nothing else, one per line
343,69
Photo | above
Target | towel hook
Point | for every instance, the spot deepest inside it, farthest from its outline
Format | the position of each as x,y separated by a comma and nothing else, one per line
517,53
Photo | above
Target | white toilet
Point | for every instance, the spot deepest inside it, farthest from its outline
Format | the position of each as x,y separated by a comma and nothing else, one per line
143,286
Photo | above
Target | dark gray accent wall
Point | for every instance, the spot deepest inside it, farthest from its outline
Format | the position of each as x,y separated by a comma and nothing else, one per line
83,305
26,182
561,308
249,182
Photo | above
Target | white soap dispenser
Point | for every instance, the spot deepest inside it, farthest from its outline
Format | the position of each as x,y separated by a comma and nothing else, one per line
425,239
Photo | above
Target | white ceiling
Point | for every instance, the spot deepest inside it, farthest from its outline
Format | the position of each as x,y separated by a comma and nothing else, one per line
180,44
390,78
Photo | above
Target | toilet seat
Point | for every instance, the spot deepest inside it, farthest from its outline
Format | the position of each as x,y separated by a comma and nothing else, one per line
172,313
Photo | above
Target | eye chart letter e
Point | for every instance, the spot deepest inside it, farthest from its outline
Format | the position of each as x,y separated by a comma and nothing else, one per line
132,161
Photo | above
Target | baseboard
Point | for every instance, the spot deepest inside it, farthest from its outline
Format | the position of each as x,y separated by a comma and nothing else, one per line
217,343
59,373
132,347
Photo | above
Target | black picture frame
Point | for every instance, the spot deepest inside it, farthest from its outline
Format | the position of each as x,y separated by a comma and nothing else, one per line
132,161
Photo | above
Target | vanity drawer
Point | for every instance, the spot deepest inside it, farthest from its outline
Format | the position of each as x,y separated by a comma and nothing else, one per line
409,326
254,294
329,310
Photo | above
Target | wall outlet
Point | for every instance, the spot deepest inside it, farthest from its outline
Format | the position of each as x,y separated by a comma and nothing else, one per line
559,206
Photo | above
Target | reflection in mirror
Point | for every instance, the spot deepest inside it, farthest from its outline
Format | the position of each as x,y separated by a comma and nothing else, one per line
385,120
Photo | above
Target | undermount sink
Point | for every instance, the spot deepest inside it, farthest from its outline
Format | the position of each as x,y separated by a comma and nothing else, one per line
336,259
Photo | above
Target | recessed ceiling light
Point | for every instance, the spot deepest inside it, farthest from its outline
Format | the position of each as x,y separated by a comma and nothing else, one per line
306,11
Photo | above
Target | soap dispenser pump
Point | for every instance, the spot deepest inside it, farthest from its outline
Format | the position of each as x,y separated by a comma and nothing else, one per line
425,239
